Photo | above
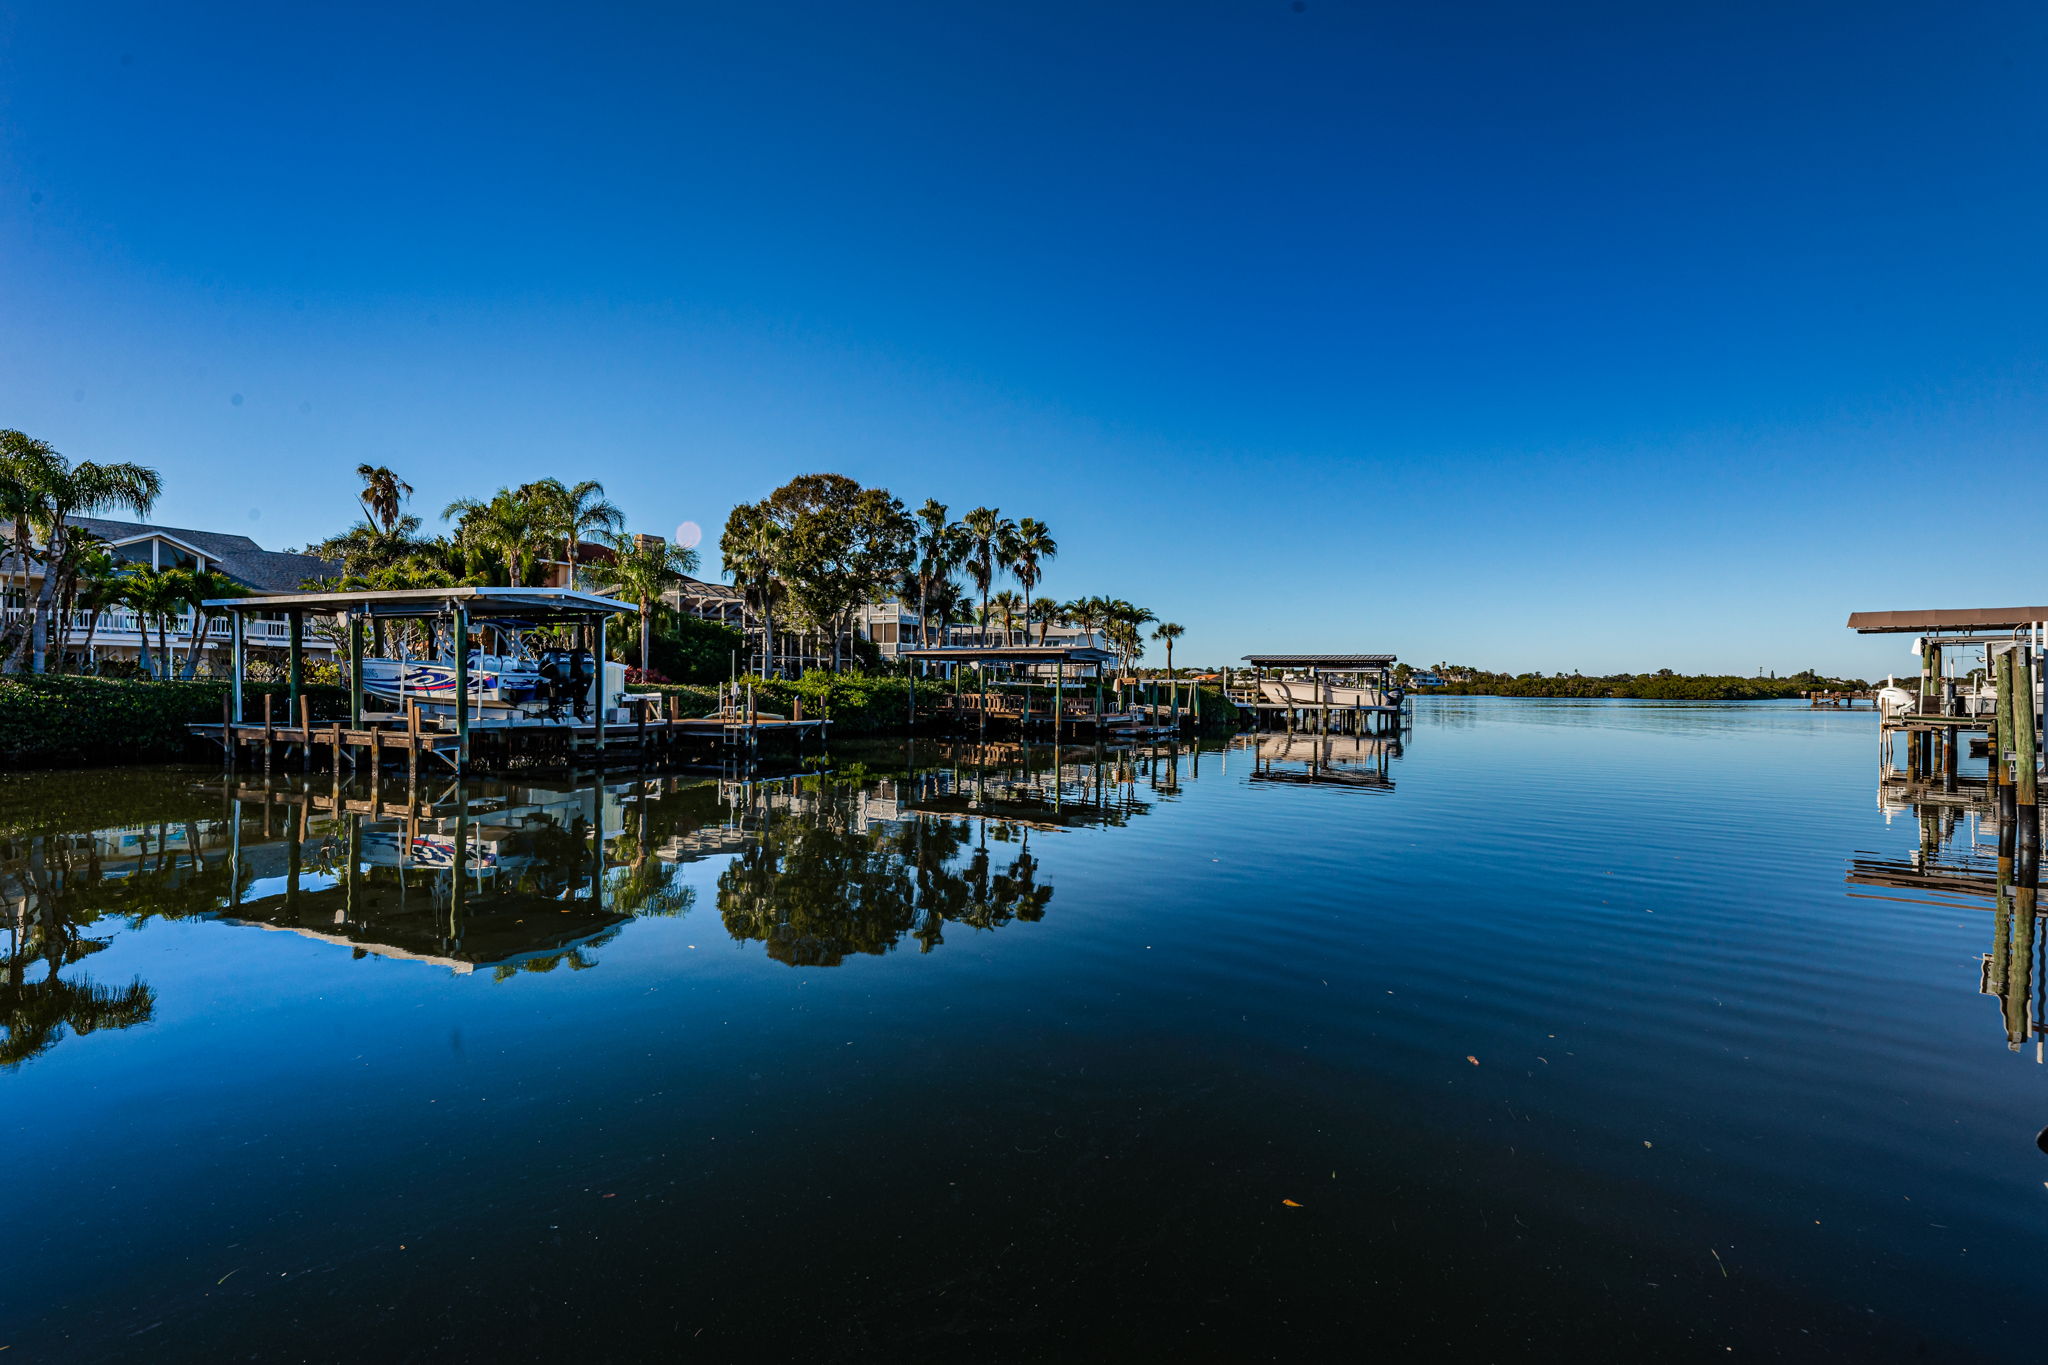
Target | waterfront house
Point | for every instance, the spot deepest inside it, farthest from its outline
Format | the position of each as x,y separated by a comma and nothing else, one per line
117,635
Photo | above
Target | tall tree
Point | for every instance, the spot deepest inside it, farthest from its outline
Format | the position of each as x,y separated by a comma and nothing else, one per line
199,587
642,572
1090,614
45,490
751,550
1046,611
155,595
100,584
939,549
570,512
383,496
990,539
1169,632
839,545
1005,607
1126,629
509,534
1031,546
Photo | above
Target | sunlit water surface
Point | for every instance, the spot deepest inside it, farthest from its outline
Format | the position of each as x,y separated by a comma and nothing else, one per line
1555,1029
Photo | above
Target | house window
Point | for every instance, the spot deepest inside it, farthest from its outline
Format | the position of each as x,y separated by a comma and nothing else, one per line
137,552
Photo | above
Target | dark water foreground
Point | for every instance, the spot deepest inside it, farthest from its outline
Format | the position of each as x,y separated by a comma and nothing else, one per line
1563,1031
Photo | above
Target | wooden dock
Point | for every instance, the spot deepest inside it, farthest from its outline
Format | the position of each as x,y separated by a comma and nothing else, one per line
412,743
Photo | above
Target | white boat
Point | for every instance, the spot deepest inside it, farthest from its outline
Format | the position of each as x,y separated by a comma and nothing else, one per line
1894,700
1313,692
548,686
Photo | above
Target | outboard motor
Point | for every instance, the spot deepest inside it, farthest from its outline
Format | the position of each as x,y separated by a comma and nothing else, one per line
565,676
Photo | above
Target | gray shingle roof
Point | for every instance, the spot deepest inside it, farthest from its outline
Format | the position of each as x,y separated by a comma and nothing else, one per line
239,557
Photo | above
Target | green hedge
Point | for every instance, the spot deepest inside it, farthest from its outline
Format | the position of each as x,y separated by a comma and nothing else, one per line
59,719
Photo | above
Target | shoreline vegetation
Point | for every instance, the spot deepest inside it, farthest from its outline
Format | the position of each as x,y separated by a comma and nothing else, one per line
1662,685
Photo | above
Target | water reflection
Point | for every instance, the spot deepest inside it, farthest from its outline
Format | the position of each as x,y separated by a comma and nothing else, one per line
504,878
1973,853
1362,762
66,886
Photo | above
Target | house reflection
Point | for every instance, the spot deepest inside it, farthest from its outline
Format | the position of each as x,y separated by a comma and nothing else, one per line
909,845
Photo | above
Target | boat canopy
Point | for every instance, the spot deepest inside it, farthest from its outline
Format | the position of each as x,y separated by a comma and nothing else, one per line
1344,662
1010,654
529,604
1934,620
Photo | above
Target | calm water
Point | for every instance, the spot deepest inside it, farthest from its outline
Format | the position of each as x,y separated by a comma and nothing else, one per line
1625,1030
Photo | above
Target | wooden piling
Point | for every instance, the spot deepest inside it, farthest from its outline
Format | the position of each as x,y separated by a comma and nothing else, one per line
2001,721
2023,737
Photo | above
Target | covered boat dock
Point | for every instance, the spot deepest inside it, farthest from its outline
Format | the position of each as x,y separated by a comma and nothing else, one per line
1956,697
455,726
1341,693
1039,689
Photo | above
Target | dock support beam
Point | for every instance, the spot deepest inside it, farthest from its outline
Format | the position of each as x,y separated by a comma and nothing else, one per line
355,670
2023,742
238,666
461,689
1059,707
601,698
295,656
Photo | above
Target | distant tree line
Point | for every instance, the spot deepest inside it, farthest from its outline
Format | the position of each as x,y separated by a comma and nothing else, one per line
1662,685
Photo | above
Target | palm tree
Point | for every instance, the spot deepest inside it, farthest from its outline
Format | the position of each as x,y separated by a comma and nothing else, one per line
572,511
367,545
1126,623
1090,614
1169,632
383,496
945,600
1047,610
1029,549
201,586
509,527
751,549
1004,607
643,571
100,584
155,595
45,490
989,538
939,548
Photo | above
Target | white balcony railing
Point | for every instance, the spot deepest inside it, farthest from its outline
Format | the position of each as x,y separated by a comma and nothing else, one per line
124,627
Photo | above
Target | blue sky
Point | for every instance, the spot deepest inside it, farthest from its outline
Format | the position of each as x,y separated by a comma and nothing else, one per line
1571,335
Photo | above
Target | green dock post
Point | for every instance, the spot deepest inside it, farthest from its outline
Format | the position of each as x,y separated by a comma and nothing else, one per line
461,689
1059,701
601,698
296,656
2023,732
239,666
355,670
